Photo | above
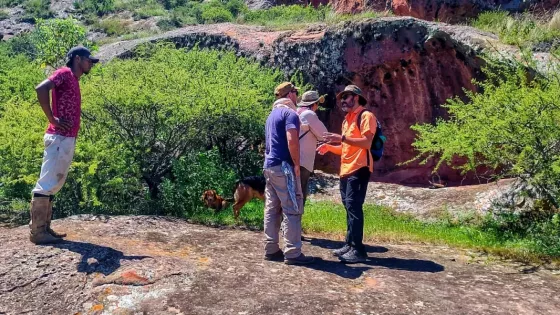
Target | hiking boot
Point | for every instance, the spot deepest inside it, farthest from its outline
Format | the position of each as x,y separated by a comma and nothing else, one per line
299,260
341,251
278,256
38,225
353,257
49,218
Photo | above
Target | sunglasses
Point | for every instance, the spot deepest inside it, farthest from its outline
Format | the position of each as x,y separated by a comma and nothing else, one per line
296,92
347,96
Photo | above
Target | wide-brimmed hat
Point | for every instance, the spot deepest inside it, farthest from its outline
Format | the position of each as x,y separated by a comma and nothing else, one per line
354,90
284,88
309,98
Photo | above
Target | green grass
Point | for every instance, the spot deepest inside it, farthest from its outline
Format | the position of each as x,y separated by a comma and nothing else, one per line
4,15
522,30
384,225
296,16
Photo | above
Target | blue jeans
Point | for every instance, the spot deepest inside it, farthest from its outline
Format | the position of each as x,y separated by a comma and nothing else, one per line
353,190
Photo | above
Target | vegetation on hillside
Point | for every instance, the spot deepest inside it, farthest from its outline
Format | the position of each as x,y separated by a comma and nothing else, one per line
524,30
511,127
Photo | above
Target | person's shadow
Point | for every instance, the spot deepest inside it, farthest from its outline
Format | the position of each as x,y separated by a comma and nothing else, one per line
355,271
96,258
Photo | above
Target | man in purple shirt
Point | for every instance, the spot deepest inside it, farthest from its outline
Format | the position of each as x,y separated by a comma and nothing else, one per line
59,139
284,200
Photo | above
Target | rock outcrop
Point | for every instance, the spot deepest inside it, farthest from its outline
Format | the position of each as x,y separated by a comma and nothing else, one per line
454,11
406,67
161,265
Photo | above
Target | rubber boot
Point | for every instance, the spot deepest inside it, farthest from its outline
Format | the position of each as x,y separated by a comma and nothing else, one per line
38,225
49,218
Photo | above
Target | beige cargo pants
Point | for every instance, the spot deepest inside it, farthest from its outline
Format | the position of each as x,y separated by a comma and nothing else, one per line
283,206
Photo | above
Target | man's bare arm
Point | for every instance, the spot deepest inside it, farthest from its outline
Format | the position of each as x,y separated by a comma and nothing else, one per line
43,90
293,147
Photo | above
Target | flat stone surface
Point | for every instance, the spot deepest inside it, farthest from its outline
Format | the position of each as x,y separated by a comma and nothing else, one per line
151,265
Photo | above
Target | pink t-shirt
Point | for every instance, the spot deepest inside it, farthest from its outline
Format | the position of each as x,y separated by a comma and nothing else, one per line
66,101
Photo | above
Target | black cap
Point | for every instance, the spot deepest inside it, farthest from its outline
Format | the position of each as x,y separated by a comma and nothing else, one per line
79,51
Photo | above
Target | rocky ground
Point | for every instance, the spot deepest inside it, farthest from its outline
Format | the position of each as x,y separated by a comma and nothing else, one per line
149,265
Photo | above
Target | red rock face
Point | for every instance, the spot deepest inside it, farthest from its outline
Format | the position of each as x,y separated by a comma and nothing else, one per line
454,11
404,86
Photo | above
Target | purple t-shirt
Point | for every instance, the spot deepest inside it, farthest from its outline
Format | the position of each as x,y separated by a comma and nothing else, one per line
280,120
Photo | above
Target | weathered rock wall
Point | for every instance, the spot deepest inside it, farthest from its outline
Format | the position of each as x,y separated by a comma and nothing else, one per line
406,67
454,11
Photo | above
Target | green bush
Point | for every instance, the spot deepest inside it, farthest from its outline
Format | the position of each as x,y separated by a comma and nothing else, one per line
49,42
18,77
510,127
36,10
288,16
10,3
216,92
154,9
521,30
97,7
4,15
193,174
168,24
216,14
113,26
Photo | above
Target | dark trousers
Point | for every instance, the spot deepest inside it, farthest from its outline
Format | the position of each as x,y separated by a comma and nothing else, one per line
353,190
304,174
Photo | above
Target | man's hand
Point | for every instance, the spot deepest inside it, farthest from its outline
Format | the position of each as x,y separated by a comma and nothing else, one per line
332,137
297,171
61,123
323,149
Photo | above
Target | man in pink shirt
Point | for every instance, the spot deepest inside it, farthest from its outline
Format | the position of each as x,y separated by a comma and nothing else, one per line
59,139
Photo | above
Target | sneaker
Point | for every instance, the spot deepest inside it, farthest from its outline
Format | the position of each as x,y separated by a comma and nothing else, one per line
299,260
341,251
353,257
278,256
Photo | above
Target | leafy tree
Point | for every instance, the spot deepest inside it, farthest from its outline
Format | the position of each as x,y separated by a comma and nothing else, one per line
511,127
168,103
49,42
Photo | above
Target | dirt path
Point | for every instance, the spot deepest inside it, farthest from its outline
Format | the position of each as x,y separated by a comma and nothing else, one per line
147,265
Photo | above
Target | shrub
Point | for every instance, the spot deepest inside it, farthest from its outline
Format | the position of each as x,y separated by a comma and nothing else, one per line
554,24
193,174
37,10
171,4
18,77
216,14
196,101
4,15
511,127
49,42
149,10
113,26
168,24
97,7
10,3
521,30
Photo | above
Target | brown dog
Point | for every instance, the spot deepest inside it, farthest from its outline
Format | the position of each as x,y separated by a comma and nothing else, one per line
244,191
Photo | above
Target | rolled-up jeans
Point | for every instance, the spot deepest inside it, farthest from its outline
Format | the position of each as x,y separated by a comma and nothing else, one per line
283,205
57,157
